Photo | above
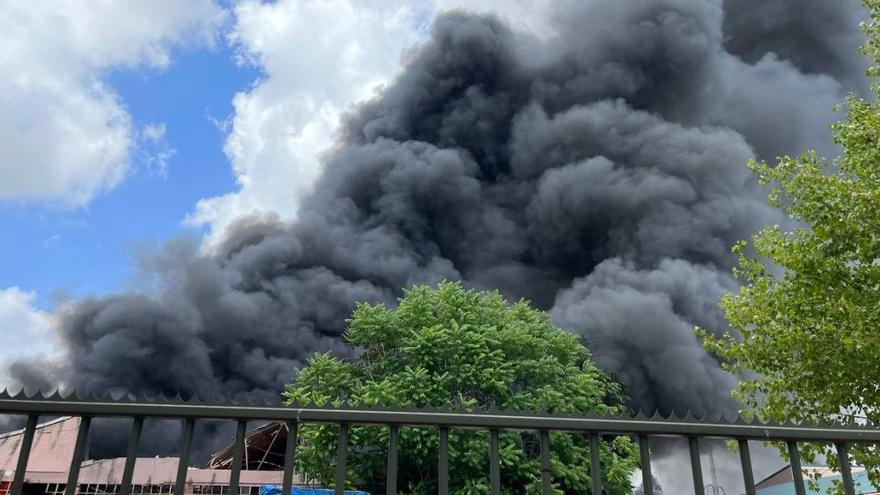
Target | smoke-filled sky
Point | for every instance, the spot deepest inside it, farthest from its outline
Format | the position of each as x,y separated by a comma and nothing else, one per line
587,155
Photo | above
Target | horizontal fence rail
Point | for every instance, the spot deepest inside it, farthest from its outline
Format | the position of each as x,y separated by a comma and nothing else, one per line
639,427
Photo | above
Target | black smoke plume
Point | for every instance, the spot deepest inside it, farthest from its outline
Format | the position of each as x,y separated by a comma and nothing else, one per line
599,172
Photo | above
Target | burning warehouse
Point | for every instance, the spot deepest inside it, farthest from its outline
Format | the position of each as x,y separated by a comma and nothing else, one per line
53,448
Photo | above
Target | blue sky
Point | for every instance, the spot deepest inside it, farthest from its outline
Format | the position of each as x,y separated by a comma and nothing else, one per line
73,252
83,188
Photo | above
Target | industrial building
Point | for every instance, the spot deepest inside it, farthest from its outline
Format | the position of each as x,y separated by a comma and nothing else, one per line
53,448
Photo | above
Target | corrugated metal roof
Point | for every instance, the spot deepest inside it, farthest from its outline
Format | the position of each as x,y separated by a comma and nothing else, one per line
52,448
41,425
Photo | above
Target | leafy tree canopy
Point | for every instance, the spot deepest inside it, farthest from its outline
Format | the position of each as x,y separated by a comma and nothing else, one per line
451,347
807,319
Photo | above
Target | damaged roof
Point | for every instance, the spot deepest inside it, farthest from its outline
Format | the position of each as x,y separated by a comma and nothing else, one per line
54,442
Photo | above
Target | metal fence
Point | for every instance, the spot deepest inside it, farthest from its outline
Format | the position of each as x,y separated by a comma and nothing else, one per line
639,427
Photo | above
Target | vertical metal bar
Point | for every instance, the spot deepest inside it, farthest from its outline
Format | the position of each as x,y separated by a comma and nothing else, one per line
595,464
443,463
391,477
745,459
647,477
237,453
546,480
494,464
134,440
845,469
79,452
24,453
290,456
796,471
183,462
341,456
696,468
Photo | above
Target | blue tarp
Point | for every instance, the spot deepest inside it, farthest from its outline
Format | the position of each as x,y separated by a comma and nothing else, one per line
276,490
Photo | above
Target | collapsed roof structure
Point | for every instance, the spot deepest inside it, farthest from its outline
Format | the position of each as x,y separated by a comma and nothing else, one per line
264,449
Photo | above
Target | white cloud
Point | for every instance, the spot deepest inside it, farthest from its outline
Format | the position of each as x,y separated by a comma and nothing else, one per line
154,149
317,58
51,240
153,132
27,331
64,135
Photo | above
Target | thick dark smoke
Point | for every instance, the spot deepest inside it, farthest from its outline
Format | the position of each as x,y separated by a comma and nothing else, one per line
816,35
600,173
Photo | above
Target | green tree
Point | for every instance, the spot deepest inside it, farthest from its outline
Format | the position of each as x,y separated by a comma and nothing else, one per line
451,347
807,318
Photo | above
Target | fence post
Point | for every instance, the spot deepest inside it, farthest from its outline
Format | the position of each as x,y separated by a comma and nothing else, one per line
237,454
494,463
134,439
595,464
745,459
443,463
645,455
391,476
183,462
546,481
24,454
79,453
696,467
290,456
797,473
341,456
845,469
